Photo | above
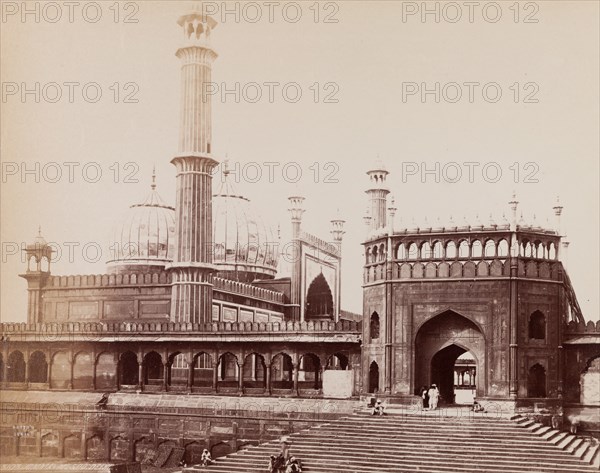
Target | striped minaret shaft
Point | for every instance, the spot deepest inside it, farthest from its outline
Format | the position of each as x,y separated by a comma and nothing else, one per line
377,193
192,267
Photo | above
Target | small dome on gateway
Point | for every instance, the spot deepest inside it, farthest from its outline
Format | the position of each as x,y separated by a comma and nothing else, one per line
145,236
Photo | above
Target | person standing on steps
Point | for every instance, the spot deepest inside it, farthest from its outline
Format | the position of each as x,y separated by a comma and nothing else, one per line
425,398
434,396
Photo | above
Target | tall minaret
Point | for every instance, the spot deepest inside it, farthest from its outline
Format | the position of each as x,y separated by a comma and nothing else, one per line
191,296
296,210
337,232
377,193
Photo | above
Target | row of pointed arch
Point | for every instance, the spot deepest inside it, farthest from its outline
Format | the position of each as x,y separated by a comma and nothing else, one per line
458,269
489,248
203,370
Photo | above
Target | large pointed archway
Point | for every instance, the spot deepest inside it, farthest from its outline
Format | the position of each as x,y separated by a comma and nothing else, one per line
319,299
439,343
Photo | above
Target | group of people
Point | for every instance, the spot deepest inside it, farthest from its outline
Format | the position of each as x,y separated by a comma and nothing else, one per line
431,397
285,462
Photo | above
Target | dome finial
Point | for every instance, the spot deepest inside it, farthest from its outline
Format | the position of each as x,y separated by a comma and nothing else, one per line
153,185
39,230
226,170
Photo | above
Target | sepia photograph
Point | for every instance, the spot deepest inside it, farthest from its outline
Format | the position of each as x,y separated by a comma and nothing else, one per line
354,236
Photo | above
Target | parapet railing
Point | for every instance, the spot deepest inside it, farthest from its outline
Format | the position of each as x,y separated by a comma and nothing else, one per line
162,278
589,327
247,290
103,280
343,326
320,243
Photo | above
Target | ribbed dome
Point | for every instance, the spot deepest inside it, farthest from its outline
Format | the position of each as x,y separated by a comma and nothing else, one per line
245,248
145,236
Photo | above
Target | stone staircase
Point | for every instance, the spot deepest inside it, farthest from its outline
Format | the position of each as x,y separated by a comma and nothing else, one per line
403,442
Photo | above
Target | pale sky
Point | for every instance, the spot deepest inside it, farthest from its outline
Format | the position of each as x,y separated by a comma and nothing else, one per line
365,61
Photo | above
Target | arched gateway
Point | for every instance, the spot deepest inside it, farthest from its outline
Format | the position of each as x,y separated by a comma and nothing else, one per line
439,342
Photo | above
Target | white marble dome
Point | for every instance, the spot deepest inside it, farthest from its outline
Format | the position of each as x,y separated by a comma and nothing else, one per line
145,237
245,248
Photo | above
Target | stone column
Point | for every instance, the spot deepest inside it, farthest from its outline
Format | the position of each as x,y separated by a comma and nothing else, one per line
190,378
215,376
165,382
26,356
268,378
240,378
295,371
72,366
141,373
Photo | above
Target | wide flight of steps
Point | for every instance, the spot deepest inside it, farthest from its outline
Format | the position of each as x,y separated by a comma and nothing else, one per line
427,443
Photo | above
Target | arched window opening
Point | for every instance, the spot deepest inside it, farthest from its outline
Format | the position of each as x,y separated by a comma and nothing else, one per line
83,371
374,326
489,249
15,369
401,253
45,264
319,300
536,381
373,377
178,370
374,255
463,249
413,251
228,370
451,250
382,252
552,251
38,368
590,380
503,249
309,371
426,252
282,372
537,326
203,370
368,256
438,250
106,371
129,369
337,362
254,371
477,249
153,369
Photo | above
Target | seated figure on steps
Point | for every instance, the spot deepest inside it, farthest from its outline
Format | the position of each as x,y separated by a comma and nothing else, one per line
206,458
293,466
279,463
378,409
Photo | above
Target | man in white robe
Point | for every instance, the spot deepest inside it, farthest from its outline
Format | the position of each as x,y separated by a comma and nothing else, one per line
434,396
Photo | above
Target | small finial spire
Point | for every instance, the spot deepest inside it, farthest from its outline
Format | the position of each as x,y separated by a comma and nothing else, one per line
226,166
153,185
39,230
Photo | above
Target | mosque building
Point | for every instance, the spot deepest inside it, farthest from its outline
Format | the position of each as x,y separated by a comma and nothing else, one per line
191,302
